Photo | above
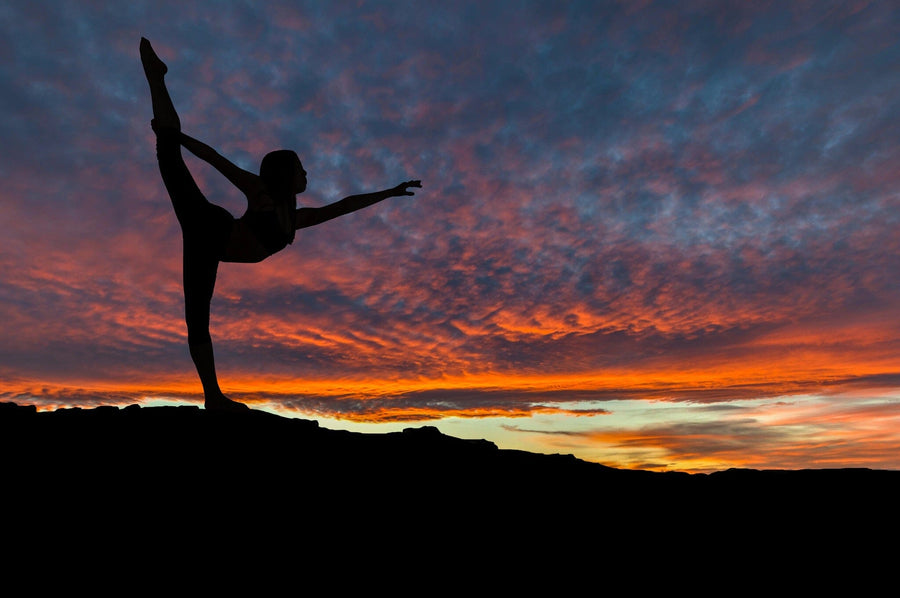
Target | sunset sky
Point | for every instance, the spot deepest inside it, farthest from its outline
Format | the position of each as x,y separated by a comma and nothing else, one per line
657,235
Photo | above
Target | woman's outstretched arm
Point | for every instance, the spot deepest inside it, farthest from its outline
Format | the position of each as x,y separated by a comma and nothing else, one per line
247,182
312,216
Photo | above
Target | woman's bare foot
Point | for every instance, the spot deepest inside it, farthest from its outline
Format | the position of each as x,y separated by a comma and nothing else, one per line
223,403
163,110
153,66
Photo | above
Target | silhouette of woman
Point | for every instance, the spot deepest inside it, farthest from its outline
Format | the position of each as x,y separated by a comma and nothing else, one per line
212,235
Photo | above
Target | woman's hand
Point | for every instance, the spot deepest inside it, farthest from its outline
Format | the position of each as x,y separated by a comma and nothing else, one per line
402,188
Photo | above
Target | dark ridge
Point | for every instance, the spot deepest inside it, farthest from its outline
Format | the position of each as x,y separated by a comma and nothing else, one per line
186,455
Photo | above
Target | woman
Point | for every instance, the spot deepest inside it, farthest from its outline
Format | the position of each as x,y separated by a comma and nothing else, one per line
212,235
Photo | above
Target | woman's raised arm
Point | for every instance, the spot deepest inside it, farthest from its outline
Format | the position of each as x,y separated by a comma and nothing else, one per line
306,217
247,182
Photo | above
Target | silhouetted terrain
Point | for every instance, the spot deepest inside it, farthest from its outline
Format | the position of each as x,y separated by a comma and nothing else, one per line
161,455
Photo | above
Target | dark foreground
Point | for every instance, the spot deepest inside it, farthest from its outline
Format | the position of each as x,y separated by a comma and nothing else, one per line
186,455
165,489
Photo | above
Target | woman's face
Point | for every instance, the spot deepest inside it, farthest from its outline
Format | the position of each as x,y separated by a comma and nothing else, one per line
300,179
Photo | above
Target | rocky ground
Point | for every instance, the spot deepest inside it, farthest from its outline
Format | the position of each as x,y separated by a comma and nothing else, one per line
263,463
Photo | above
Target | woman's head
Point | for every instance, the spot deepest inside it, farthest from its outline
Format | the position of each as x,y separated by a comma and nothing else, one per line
283,173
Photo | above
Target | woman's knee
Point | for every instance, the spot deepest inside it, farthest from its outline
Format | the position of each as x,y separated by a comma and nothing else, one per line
197,319
168,152
199,336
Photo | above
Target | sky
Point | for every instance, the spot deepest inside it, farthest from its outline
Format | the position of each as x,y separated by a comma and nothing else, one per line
654,235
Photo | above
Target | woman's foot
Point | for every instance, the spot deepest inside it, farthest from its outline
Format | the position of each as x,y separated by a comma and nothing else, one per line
164,113
223,403
153,66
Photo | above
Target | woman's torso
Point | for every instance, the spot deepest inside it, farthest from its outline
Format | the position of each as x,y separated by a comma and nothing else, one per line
260,232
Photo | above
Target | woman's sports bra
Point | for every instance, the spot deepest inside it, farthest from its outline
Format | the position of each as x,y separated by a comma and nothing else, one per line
267,229
274,227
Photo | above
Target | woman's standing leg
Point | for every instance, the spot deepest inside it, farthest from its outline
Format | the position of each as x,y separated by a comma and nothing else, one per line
199,283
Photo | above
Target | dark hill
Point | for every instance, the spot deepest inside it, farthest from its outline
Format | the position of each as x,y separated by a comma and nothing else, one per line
142,455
